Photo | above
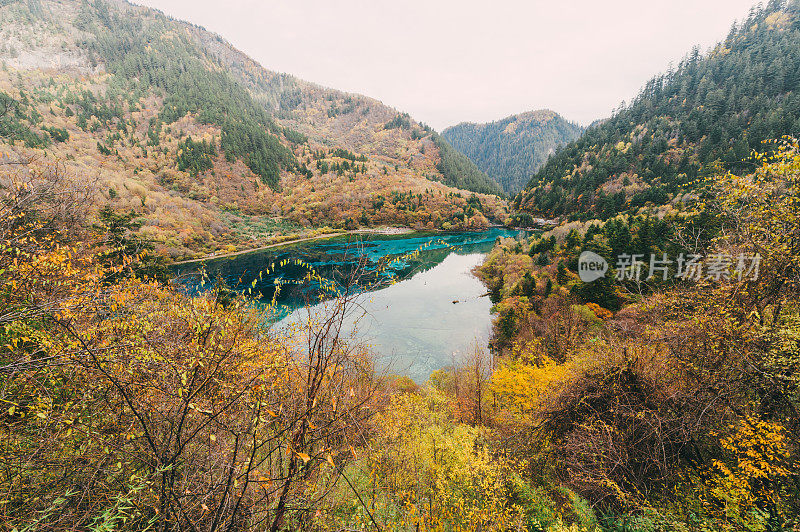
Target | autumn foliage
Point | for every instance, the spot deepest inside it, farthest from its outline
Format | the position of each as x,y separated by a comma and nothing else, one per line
128,405
681,408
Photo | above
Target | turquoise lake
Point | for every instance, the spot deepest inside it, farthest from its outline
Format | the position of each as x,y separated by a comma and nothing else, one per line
419,305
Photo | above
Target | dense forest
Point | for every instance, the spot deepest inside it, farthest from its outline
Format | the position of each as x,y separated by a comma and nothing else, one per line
664,395
214,152
637,404
16,119
707,113
137,52
458,171
511,150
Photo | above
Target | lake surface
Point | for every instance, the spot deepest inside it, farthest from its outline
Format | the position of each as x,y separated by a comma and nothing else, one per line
419,306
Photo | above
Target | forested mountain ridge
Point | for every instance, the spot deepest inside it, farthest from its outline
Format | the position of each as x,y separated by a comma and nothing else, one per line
211,149
710,111
511,150
659,396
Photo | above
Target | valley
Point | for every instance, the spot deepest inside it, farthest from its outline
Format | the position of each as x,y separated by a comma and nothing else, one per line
298,158
235,300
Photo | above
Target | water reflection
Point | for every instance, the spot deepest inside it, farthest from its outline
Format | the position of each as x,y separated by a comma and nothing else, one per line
421,307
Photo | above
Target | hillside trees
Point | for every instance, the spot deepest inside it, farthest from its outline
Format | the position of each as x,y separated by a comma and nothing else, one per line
458,171
511,150
126,402
711,110
686,401
142,83
196,157
140,54
15,123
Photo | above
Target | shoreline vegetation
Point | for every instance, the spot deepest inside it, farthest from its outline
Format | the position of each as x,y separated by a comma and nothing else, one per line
386,231
167,408
333,234
663,396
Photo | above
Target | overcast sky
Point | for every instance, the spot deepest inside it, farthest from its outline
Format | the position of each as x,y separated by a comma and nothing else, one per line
448,61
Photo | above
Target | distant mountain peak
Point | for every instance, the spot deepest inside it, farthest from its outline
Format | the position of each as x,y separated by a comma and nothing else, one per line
541,115
512,149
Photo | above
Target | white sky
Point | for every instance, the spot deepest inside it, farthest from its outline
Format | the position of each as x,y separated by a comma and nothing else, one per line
448,61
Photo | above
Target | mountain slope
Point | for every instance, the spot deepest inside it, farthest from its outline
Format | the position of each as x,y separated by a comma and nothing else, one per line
208,147
512,149
711,111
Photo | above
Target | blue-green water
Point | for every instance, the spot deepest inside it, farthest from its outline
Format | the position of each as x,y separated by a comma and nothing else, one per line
419,307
